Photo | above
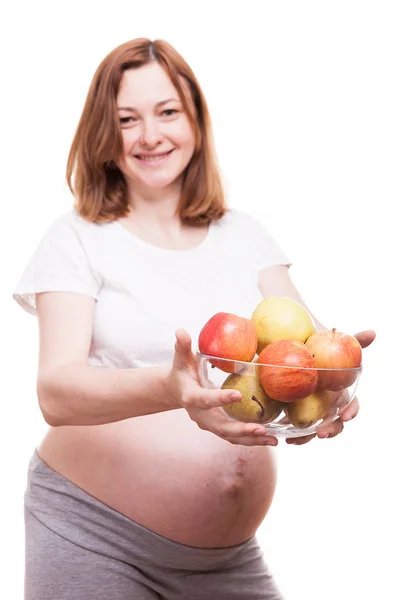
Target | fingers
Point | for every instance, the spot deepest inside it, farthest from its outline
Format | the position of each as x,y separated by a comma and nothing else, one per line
331,430
345,414
183,343
365,338
299,441
350,411
208,398
328,431
339,401
235,432
267,440
183,349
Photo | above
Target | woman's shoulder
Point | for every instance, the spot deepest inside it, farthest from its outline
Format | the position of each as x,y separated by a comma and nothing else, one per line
70,222
254,237
71,218
235,219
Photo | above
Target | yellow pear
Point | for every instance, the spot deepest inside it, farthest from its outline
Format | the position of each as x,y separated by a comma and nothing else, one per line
279,318
307,411
255,406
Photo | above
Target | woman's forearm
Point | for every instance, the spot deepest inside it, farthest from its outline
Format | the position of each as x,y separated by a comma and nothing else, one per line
86,395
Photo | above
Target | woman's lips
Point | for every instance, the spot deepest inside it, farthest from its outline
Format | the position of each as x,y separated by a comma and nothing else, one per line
153,160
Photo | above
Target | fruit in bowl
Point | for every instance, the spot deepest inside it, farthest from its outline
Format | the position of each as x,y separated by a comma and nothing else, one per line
292,378
286,419
332,349
226,335
255,406
279,318
309,410
287,370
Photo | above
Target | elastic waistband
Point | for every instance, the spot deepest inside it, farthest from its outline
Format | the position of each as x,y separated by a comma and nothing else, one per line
76,515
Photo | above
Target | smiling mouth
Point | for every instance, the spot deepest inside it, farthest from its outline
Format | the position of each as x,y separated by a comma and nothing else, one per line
156,158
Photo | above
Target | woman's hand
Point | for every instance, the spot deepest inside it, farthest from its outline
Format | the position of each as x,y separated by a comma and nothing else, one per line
348,412
204,405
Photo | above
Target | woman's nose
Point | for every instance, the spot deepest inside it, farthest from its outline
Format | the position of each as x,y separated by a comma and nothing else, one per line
151,134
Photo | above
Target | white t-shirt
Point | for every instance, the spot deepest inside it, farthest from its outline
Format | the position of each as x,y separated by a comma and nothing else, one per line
144,292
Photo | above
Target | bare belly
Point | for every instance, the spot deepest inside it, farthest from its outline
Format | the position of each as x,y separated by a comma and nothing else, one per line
165,473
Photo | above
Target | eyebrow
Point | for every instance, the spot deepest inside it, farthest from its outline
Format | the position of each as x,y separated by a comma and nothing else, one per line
132,108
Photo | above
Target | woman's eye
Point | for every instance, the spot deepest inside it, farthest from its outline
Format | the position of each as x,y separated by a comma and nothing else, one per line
169,112
126,120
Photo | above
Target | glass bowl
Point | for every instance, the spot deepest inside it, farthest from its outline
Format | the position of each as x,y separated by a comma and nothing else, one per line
288,401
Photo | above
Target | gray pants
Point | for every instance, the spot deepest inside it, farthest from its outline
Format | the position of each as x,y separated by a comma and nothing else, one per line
77,548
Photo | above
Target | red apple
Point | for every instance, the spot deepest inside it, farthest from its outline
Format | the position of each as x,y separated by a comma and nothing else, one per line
335,350
287,384
228,336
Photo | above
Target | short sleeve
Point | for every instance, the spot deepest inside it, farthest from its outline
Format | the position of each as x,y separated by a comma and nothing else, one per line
59,264
265,250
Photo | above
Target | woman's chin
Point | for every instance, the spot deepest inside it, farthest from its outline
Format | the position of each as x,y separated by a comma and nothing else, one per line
158,182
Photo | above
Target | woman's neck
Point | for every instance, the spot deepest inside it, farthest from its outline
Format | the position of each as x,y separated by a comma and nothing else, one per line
155,206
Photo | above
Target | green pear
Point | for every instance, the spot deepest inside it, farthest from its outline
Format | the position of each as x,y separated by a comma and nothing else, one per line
308,411
255,406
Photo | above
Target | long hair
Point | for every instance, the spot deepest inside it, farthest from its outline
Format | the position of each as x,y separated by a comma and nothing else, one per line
98,185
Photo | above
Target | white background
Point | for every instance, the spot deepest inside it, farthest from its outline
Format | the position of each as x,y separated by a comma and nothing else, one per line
305,102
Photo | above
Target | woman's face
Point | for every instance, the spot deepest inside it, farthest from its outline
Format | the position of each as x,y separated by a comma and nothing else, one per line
158,141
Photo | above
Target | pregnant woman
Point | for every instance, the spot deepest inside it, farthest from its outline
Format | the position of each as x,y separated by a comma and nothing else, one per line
141,489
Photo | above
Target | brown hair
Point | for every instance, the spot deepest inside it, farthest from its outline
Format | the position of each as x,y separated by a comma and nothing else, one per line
93,177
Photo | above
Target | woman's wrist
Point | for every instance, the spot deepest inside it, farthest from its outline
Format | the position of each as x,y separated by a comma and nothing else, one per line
172,394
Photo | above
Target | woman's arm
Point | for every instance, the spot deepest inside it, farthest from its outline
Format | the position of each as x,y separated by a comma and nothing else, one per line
72,393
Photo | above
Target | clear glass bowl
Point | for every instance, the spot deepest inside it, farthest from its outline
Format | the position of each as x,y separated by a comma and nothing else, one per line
298,400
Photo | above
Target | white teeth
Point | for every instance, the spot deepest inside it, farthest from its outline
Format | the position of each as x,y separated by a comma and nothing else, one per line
153,158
